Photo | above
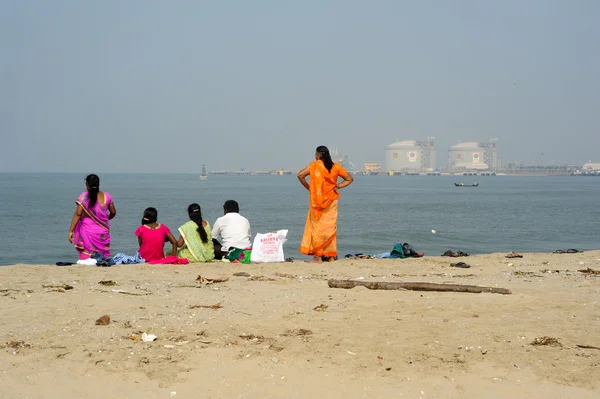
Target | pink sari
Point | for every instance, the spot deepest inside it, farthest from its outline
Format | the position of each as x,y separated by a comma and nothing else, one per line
92,232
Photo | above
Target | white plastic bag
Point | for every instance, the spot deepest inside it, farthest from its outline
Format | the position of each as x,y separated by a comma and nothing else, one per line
269,247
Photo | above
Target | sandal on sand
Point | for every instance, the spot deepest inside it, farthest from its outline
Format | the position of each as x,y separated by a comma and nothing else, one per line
462,265
513,254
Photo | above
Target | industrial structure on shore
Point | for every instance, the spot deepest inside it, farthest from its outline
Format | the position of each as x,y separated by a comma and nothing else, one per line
343,160
418,156
473,156
410,156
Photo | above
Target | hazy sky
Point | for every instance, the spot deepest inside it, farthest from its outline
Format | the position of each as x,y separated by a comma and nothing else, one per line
150,86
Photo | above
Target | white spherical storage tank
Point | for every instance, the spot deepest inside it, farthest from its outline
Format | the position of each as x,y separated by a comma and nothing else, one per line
403,155
468,155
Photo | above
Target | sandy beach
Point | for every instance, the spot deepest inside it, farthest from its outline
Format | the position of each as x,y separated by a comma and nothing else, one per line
279,331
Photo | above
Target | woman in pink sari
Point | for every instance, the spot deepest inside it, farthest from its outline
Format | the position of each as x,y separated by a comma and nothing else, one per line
90,227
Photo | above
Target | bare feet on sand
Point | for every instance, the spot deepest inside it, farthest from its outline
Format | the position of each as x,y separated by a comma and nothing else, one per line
321,259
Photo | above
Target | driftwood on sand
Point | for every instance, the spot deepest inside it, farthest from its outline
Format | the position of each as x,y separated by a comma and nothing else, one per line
378,285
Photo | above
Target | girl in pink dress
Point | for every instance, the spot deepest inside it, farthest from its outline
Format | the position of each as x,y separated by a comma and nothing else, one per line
152,236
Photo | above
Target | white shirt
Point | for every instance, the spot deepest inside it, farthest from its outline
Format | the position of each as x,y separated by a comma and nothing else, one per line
234,230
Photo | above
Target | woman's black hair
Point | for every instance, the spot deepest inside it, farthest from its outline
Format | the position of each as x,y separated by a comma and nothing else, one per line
150,216
195,214
325,157
93,183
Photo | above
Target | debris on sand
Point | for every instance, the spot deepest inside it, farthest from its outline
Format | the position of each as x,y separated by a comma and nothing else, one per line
107,282
148,337
589,271
545,341
297,332
416,286
215,306
57,288
525,274
210,280
103,321
242,274
130,293
588,347
7,291
261,278
251,337
321,308
16,345
286,275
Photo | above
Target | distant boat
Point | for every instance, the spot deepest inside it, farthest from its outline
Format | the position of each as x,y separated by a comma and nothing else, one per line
466,185
203,175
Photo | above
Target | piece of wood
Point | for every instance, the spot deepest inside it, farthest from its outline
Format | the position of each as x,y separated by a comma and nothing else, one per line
209,280
215,306
379,285
588,347
589,271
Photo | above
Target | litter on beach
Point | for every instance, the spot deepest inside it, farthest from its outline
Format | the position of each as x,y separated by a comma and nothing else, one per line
148,337
215,306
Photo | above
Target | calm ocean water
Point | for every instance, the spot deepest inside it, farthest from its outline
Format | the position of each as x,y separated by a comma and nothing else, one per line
503,214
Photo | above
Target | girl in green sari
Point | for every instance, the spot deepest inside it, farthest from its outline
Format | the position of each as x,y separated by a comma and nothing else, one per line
195,241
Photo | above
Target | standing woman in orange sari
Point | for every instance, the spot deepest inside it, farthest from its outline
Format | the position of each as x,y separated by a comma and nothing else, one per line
320,232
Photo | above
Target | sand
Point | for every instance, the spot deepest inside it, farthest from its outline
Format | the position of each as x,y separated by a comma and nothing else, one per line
267,341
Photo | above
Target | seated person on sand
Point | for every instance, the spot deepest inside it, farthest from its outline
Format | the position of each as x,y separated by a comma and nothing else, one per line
152,236
232,228
195,243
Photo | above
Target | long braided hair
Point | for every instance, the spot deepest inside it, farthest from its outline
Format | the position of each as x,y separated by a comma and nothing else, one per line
195,214
325,157
93,182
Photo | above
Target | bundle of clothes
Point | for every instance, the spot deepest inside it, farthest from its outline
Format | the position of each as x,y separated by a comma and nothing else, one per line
456,254
399,251
98,259
238,255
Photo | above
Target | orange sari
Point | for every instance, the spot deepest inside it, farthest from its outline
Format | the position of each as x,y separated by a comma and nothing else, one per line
320,231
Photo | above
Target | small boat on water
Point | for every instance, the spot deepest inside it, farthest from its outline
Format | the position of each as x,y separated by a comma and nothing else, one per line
203,175
466,185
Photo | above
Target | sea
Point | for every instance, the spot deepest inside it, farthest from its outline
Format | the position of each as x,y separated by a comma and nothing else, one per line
503,214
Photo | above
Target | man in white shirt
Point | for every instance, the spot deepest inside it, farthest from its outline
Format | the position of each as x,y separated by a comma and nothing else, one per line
232,228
